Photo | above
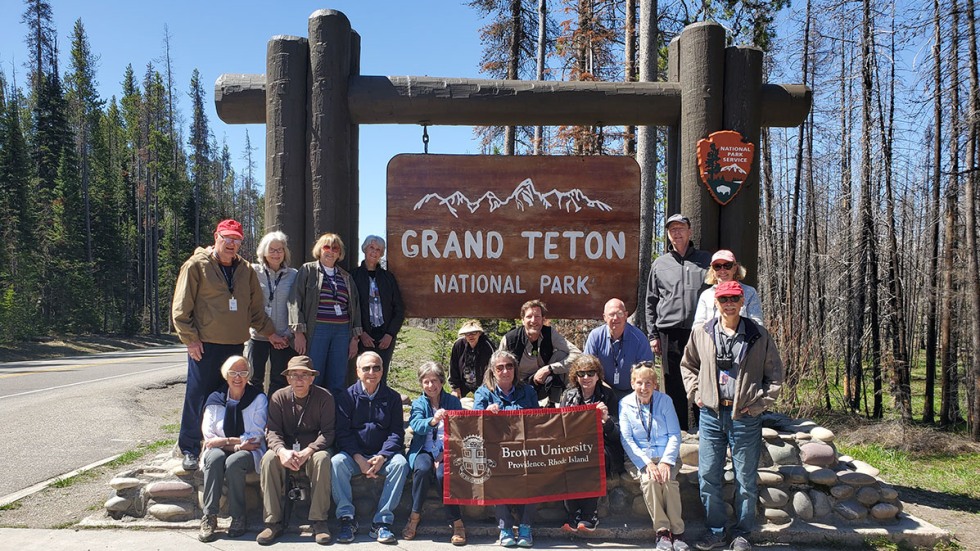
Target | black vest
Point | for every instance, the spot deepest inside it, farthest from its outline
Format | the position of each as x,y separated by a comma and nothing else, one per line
517,343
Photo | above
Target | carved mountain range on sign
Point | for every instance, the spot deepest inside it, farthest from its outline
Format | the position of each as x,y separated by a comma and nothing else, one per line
734,168
523,197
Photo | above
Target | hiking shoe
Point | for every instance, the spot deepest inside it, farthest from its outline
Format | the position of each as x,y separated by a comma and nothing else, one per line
664,541
270,534
208,525
190,462
507,538
237,527
382,533
321,533
524,538
348,530
679,544
741,544
569,528
710,541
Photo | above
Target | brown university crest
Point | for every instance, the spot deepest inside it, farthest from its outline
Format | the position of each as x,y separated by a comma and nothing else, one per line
724,160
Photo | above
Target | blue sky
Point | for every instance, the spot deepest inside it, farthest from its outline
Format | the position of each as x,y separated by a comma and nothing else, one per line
398,37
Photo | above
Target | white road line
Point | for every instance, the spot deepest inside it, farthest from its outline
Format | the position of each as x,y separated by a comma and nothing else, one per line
130,374
21,494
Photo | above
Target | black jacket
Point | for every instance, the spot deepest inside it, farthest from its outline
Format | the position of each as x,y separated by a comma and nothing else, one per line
392,307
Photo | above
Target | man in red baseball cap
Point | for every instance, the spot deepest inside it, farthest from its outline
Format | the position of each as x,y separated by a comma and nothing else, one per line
216,299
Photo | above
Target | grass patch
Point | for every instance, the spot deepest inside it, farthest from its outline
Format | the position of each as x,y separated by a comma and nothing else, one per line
129,456
172,428
952,474
414,346
10,506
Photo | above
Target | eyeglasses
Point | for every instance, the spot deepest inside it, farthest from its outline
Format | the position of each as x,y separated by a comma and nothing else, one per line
504,367
331,248
723,300
471,334
299,375
231,240
233,374
371,368
589,373
723,266
279,250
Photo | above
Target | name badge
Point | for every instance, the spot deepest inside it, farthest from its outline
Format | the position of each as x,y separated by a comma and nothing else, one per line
296,447
232,304
724,378
336,310
268,310
616,377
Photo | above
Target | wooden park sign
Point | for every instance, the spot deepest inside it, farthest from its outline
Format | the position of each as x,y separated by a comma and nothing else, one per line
724,162
477,236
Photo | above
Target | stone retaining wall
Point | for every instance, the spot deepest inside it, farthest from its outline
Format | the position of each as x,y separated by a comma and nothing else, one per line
800,476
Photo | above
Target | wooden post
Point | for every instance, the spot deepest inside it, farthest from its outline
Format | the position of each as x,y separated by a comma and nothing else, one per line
328,195
738,221
673,201
355,178
285,140
702,77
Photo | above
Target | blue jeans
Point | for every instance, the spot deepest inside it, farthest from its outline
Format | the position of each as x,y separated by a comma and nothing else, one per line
203,378
718,432
421,478
525,512
328,349
343,468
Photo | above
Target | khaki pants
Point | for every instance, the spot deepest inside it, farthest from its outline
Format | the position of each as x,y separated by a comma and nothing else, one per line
317,468
663,500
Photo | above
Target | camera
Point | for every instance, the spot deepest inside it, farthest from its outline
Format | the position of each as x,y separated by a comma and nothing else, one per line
724,364
296,492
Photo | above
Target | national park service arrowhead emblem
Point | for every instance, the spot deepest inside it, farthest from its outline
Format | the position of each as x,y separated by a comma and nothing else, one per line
724,160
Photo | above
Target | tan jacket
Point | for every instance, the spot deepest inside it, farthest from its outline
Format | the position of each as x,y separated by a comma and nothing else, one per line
760,375
304,299
200,308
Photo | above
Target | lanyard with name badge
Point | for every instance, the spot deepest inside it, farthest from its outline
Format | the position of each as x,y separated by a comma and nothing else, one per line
229,280
333,285
272,290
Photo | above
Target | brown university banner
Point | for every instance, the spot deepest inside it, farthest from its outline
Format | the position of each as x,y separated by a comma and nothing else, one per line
523,456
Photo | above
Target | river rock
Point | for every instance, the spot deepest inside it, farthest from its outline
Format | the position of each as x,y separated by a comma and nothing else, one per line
619,500
794,474
773,497
770,434
639,507
117,503
777,516
689,454
851,510
845,459
172,512
884,511
822,434
842,491
821,503
862,467
729,475
802,505
169,488
818,453
769,478
888,493
856,479
123,483
868,495
824,477
783,453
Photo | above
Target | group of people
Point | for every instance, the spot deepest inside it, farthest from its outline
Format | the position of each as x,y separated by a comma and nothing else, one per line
720,371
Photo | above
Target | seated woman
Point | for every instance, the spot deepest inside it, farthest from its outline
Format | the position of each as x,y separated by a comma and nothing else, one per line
651,436
469,358
233,425
502,391
586,387
425,452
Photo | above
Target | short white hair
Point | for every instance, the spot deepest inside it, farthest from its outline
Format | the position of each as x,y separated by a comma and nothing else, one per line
375,239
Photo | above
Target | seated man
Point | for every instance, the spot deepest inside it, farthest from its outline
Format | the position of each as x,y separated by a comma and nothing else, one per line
543,355
299,434
370,441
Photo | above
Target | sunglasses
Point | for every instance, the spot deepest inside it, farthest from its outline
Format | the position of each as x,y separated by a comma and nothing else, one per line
590,373
723,266
471,334
370,368
723,300
230,240
504,367
331,248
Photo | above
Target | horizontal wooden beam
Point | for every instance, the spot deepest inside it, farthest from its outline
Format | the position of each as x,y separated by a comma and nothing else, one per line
240,99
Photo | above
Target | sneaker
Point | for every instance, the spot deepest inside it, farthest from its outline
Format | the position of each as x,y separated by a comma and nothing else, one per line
507,538
524,538
321,533
741,544
664,541
348,530
270,534
190,462
208,524
679,544
382,533
569,528
710,541
237,527
587,526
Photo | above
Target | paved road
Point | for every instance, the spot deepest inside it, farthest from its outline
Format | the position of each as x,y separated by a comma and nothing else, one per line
59,415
